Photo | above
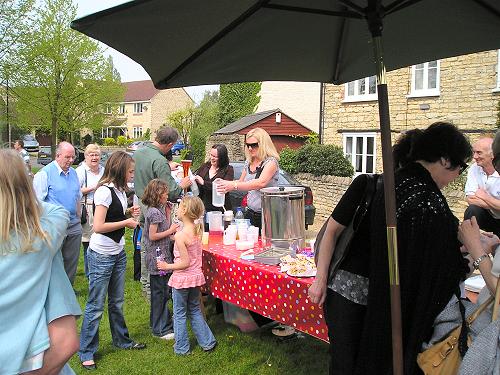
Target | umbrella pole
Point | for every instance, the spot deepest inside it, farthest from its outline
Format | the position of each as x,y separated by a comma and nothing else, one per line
390,207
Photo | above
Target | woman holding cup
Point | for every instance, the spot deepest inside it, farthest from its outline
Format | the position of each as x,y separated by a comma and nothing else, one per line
261,170
217,167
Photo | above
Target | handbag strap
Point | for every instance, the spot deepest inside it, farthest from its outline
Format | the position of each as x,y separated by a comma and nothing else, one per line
464,332
494,316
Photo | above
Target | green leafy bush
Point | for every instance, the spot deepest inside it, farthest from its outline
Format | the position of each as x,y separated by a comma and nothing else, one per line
288,160
109,142
321,160
121,140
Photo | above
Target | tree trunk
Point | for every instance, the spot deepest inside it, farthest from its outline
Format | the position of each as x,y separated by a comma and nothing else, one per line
53,138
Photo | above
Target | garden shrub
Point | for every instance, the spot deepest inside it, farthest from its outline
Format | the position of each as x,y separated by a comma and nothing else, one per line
288,160
109,142
121,140
321,160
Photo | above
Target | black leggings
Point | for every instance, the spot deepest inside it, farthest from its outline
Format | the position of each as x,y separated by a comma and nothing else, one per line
345,321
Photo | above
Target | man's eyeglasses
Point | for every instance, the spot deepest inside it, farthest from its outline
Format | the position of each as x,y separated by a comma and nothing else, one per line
252,145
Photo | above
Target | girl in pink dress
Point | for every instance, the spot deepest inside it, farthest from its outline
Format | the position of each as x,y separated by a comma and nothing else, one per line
188,277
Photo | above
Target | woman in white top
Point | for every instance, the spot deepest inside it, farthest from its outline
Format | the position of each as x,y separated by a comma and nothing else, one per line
89,173
107,259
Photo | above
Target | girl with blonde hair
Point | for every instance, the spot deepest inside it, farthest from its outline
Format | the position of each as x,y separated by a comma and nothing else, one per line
188,277
37,303
261,170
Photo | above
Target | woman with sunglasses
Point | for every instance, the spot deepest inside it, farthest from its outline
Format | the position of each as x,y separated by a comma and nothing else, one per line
261,170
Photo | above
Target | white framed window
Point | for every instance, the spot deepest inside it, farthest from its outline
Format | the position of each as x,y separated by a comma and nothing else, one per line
107,109
364,89
360,150
138,107
121,109
137,131
425,79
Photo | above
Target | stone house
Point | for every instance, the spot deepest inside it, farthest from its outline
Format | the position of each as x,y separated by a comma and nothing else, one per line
464,90
283,129
144,107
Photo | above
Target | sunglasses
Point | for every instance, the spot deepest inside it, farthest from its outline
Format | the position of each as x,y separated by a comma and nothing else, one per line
252,145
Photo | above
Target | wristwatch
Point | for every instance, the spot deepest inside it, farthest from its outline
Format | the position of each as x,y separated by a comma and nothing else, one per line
479,260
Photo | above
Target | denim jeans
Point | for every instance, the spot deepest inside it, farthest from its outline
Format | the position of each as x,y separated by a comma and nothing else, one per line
106,276
159,315
187,305
85,263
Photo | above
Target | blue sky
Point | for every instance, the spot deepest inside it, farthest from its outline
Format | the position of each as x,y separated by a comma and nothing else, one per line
130,70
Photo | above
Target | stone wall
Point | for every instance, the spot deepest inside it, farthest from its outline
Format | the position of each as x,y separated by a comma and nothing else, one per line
234,142
327,191
164,103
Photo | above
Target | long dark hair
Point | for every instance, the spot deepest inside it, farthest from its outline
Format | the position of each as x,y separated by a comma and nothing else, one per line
222,155
116,169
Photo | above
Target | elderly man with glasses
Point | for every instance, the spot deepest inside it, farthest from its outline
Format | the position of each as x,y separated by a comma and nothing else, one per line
483,188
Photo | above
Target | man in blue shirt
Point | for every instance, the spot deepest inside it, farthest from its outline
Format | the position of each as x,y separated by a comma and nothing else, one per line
57,183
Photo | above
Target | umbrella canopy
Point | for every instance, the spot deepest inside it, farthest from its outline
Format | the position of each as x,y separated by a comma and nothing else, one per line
194,42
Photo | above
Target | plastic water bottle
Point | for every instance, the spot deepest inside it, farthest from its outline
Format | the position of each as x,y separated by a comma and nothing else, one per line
194,186
239,217
159,256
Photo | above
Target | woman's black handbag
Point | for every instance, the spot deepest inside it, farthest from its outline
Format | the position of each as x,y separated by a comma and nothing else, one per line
344,241
83,216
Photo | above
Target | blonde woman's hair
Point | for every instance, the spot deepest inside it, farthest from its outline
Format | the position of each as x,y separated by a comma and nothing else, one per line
266,145
194,210
92,147
20,213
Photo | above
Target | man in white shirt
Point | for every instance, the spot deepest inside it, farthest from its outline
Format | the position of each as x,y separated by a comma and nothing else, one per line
482,189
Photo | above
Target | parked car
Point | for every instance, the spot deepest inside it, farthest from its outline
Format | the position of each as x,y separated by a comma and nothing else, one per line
135,145
44,155
238,197
30,143
177,147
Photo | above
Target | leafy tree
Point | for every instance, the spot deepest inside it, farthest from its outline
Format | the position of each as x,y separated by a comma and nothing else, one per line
183,121
237,100
205,124
63,80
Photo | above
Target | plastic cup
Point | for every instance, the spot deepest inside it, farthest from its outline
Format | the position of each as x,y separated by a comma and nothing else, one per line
186,164
204,238
218,199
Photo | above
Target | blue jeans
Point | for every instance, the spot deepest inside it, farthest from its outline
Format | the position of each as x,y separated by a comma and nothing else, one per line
159,315
106,276
187,305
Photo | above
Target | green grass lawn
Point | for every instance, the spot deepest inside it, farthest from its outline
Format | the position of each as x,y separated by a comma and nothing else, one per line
237,353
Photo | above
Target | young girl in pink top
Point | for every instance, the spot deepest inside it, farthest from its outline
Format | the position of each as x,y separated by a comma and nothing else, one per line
188,277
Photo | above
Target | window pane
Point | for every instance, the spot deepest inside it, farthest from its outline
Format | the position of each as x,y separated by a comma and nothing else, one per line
369,164
432,78
350,89
433,64
359,145
372,85
348,145
362,86
419,79
359,163
369,145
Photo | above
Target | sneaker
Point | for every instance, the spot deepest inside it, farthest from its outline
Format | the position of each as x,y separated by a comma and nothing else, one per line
168,336
210,350
136,346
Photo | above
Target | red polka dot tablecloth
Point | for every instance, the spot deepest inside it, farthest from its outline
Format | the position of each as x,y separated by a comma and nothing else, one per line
261,288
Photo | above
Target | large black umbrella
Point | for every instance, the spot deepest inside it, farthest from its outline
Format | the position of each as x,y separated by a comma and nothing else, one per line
194,42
